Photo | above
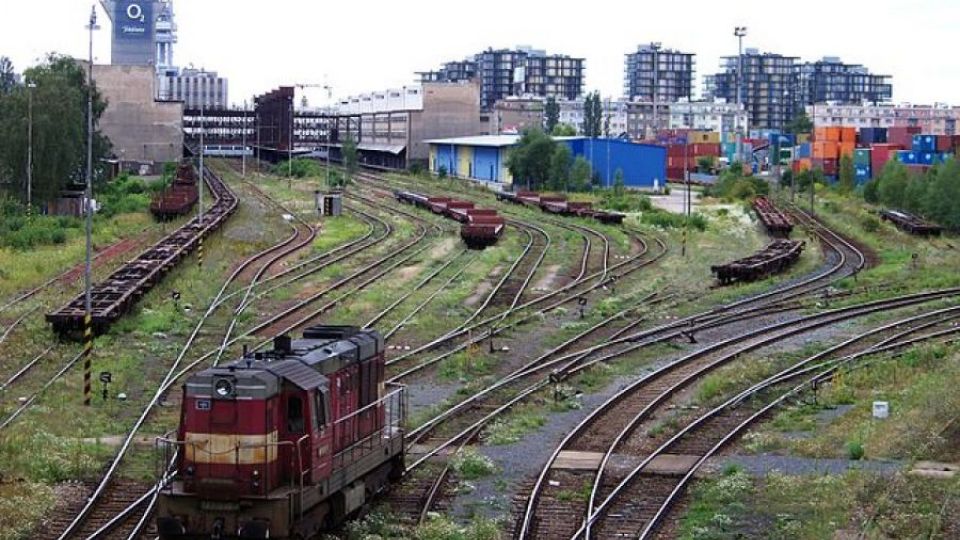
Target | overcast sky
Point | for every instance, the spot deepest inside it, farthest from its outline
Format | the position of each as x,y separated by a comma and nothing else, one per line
372,45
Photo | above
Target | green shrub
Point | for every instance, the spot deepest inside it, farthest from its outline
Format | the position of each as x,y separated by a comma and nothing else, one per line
870,223
855,450
471,465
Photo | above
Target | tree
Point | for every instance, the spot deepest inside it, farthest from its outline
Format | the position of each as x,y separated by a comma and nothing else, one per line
800,124
564,130
350,161
893,185
619,188
560,165
8,78
592,115
580,174
871,191
59,130
606,126
848,181
942,198
705,164
551,113
530,160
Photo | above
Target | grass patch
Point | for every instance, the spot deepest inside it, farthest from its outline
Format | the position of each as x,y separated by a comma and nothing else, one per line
512,428
472,465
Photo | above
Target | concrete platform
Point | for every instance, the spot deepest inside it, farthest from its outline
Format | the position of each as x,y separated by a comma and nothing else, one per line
666,464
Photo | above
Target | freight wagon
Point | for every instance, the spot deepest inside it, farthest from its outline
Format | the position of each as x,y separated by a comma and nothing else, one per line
775,221
479,227
910,223
558,204
179,198
775,258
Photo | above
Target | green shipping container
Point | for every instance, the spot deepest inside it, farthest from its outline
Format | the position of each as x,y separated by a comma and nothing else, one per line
861,156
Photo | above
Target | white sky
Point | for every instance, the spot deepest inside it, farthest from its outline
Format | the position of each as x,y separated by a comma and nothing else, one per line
376,44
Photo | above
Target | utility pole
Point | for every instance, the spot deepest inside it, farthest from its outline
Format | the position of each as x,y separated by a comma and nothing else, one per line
200,182
655,47
329,90
290,148
740,32
256,115
30,87
243,135
87,270
813,177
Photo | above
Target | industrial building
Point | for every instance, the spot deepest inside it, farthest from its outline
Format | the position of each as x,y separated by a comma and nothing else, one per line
141,129
514,72
670,71
516,114
484,159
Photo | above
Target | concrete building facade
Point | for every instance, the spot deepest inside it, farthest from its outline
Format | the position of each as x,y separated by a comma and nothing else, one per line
718,116
195,88
395,123
670,71
140,128
502,73
516,114
937,119
768,87
830,80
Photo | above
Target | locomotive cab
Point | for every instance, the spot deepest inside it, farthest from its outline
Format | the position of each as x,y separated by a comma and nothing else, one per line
283,443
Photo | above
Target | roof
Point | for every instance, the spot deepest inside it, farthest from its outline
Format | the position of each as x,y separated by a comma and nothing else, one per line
297,373
496,141
395,149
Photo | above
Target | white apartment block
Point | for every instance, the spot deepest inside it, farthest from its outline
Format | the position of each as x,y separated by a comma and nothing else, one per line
937,119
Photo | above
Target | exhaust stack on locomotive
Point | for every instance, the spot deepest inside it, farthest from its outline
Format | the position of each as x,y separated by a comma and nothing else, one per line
284,443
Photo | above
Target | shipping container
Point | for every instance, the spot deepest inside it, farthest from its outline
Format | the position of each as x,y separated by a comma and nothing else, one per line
924,143
703,137
804,150
944,143
873,135
848,135
908,157
803,138
862,173
705,149
825,150
902,135
880,154
847,148
927,158
861,157
918,169
828,166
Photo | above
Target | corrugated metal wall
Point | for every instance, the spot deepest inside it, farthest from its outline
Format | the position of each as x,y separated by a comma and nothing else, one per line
486,164
446,158
465,161
641,164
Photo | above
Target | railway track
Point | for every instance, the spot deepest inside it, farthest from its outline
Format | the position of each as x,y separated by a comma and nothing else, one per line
630,508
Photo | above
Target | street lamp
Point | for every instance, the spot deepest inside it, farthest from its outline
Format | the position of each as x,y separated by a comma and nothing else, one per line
30,87
243,136
740,32
87,273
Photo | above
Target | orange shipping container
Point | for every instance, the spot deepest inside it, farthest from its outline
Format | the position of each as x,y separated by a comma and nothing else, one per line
847,148
833,134
848,135
820,134
805,164
826,150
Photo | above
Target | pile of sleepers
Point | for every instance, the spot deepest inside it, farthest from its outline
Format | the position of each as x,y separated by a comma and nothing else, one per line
775,258
114,297
558,204
480,227
775,221
910,223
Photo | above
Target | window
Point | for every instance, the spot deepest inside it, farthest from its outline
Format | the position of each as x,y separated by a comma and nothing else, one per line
294,414
319,409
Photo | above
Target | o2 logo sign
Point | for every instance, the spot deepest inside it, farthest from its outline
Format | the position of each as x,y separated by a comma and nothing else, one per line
133,19
135,13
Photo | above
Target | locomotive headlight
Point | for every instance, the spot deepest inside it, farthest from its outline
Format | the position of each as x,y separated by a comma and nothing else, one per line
224,388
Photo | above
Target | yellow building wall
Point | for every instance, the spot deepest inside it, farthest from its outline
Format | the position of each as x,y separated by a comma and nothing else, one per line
464,161
433,158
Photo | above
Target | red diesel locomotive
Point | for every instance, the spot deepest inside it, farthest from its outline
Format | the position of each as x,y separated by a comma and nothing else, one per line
285,443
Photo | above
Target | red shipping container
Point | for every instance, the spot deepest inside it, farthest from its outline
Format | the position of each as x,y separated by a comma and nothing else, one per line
918,169
944,143
676,150
674,173
828,166
706,149
880,154
903,135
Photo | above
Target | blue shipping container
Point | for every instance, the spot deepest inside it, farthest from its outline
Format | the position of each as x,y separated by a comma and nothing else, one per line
907,157
868,136
803,151
926,158
862,174
924,143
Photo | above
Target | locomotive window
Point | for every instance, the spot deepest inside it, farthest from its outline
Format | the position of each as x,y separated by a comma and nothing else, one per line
319,410
294,414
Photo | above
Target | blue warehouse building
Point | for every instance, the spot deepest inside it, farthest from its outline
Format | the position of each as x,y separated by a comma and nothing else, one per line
484,159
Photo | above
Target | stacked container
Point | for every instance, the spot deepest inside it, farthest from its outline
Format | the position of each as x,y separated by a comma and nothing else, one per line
902,135
861,165
870,136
